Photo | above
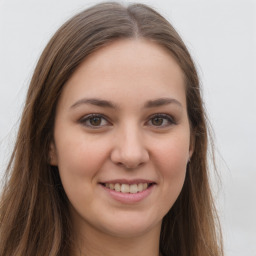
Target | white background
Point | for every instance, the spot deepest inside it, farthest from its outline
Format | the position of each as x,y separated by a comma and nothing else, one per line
221,36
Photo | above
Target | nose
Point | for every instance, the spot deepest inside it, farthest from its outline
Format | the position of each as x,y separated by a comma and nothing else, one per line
129,150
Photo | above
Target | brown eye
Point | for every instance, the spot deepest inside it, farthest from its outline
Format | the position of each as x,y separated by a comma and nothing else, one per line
157,121
161,121
94,121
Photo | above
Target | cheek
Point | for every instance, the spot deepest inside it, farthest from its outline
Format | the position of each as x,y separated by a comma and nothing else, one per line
173,168
79,161
172,154
79,156
171,164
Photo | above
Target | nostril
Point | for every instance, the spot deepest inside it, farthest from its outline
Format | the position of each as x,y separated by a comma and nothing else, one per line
129,156
130,166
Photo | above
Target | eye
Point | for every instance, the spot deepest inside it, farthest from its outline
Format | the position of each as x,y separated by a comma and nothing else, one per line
94,121
161,120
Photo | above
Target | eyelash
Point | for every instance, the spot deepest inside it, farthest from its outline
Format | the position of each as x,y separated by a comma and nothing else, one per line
169,119
88,118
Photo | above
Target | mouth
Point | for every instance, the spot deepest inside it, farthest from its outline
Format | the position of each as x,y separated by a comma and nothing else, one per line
128,191
128,188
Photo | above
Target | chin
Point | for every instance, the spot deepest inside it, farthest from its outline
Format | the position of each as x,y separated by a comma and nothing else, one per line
131,226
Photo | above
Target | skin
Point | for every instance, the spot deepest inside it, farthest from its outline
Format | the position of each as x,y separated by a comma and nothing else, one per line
128,142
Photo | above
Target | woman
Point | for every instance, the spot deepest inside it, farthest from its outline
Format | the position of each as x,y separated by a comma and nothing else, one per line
111,152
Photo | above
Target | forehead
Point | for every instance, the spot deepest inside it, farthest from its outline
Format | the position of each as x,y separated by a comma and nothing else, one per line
127,68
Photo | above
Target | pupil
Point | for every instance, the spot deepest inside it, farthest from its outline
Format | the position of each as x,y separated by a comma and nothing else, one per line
157,121
95,121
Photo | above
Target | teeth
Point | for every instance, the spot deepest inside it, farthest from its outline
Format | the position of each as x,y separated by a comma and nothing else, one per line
140,187
133,188
117,187
126,188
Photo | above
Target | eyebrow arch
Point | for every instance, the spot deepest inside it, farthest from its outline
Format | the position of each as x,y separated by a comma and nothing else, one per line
108,104
94,101
161,102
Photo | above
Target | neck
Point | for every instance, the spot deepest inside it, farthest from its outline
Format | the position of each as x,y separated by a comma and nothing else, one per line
95,243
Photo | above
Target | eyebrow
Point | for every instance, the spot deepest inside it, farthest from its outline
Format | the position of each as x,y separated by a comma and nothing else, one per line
161,102
95,102
108,104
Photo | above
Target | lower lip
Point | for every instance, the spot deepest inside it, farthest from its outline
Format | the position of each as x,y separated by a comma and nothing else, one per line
129,197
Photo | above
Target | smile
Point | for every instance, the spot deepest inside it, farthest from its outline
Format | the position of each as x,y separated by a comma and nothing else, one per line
127,188
128,191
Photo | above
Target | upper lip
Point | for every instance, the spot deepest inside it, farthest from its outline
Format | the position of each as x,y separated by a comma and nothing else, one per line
126,181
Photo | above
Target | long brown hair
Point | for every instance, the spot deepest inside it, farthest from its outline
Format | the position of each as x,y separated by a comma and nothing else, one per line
34,217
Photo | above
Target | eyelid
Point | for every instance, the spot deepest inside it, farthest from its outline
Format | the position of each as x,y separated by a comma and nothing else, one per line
86,118
171,120
167,117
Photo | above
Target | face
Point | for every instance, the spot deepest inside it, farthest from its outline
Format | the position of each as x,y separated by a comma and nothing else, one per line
122,138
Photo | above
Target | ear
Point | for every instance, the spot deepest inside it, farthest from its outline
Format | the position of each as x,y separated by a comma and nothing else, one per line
53,159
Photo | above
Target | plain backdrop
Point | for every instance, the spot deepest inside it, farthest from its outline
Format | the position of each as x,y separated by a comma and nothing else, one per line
221,36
